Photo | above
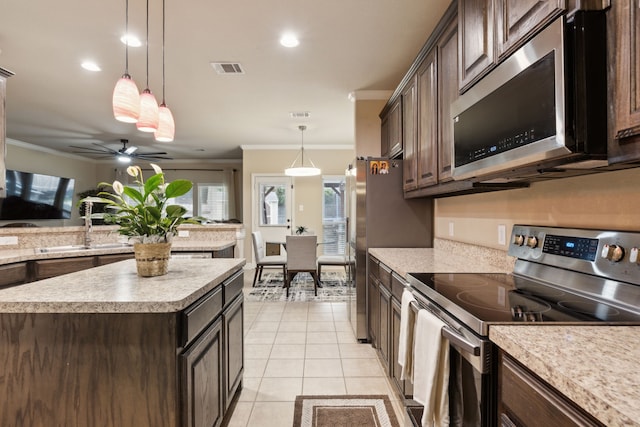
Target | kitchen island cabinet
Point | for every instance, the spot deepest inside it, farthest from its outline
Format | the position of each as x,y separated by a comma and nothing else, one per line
106,347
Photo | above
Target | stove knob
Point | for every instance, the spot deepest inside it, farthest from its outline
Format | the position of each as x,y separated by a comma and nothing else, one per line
612,252
532,241
518,239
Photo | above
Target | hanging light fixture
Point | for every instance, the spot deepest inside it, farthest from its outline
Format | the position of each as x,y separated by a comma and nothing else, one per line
148,120
302,170
126,98
166,126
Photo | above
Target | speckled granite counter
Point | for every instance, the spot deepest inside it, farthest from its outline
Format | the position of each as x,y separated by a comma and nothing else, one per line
595,366
412,260
116,288
9,256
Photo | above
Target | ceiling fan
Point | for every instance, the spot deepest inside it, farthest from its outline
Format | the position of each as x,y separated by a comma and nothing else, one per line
125,154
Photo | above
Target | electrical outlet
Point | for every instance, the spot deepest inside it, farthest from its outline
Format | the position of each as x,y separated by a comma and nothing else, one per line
183,233
451,229
301,208
502,234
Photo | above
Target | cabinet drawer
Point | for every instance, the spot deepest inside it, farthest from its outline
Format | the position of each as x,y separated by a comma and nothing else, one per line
108,259
385,276
44,269
527,400
13,274
201,313
232,287
397,286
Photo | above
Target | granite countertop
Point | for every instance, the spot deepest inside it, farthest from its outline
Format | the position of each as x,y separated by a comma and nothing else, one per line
9,256
415,260
116,288
595,366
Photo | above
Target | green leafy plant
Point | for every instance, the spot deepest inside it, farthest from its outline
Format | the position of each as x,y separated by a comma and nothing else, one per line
142,211
301,229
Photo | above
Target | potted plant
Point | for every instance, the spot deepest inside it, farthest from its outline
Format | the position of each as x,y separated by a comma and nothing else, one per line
300,230
143,214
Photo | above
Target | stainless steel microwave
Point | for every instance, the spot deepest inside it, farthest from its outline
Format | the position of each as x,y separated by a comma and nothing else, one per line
543,108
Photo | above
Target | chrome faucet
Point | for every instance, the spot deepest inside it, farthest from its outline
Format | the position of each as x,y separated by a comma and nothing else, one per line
88,226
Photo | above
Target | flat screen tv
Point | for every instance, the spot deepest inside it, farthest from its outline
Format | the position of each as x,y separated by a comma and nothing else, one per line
36,196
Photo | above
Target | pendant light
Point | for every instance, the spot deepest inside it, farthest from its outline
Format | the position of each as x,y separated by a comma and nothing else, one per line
148,120
166,126
302,170
126,98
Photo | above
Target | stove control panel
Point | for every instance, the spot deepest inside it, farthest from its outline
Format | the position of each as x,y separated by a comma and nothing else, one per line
610,254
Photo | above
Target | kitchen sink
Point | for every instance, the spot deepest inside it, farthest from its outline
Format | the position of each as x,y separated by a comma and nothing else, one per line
79,248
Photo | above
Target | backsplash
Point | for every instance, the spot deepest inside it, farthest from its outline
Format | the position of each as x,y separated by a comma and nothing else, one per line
494,257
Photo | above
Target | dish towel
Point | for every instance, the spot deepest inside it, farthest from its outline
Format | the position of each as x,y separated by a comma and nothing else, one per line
431,370
405,339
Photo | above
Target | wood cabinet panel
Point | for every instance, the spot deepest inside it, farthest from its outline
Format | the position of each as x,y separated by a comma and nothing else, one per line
77,370
108,259
527,401
202,379
410,136
43,269
13,274
234,348
384,347
623,24
447,94
373,310
476,40
518,20
427,153
391,131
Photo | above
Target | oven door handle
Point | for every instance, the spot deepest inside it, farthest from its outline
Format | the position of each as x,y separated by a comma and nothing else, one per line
454,337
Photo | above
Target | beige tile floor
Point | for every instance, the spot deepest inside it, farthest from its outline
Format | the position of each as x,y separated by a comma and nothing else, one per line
294,348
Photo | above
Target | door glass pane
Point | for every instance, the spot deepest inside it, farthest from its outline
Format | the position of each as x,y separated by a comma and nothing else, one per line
213,201
333,215
272,204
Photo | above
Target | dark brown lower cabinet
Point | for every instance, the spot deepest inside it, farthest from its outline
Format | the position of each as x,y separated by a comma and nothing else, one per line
405,388
384,340
13,274
373,310
525,400
201,368
233,318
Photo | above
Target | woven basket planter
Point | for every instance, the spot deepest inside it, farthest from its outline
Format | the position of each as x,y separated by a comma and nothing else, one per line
152,259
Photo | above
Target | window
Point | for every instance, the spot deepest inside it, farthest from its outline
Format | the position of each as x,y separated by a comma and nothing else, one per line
213,201
333,215
186,201
273,204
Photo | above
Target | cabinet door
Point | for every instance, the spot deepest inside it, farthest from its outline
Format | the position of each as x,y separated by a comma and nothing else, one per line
428,122
385,339
395,129
373,310
518,20
202,379
385,123
409,136
624,50
395,368
234,348
476,44
447,95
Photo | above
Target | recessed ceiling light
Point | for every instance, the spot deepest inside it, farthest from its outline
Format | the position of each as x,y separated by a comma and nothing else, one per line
289,40
90,66
131,40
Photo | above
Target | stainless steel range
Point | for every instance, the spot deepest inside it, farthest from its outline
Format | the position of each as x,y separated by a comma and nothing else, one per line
572,276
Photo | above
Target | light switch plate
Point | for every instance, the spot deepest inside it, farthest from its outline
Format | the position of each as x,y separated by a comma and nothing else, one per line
502,234
9,240
451,229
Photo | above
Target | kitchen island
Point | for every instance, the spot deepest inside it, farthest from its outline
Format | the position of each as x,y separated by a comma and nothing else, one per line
106,347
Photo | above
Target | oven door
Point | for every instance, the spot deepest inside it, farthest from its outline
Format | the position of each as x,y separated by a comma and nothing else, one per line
472,376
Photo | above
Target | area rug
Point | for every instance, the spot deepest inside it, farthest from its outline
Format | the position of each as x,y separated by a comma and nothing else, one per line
344,411
334,288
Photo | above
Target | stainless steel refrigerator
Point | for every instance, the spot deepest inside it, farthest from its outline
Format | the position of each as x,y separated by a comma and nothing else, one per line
379,216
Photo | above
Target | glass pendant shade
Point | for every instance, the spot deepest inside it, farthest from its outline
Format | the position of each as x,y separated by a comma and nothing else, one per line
126,100
148,120
166,126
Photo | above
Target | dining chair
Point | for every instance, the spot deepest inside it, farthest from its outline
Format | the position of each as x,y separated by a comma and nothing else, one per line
269,261
336,260
301,258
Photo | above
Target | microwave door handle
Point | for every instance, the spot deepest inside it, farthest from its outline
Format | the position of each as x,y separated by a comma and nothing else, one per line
453,336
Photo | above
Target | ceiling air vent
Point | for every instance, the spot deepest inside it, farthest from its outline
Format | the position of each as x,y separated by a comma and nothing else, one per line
300,114
227,67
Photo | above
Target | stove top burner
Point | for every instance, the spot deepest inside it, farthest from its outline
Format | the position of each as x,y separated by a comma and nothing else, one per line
505,298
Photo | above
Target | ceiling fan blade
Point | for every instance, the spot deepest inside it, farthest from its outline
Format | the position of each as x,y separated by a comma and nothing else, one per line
146,157
105,149
153,153
89,149
130,150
